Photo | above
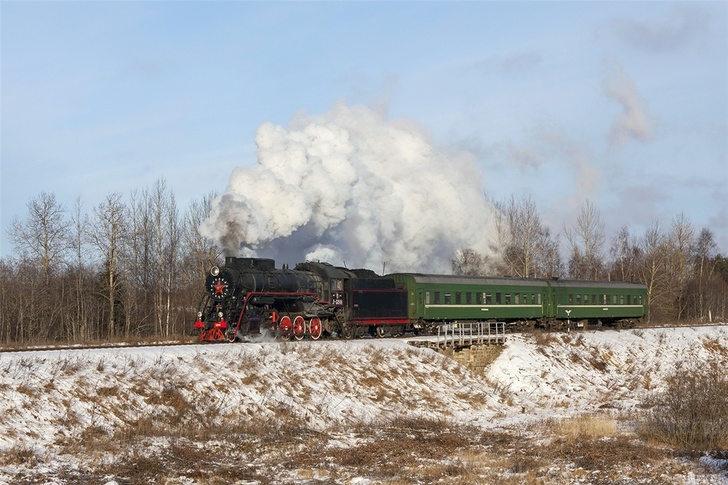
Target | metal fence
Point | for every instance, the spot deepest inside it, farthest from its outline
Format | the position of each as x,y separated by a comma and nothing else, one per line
459,335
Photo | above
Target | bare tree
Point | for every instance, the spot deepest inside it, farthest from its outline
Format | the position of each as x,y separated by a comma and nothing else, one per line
172,236
43,237
680,243
467,262
139,262
8,311
78,241
199,254
500,239
165,226
525,226
21,310
704,264
528,249
548,257
107,232
652,272
42,241
586,241
626,255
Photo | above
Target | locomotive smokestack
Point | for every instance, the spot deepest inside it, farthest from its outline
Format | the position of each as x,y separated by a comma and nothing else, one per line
350,184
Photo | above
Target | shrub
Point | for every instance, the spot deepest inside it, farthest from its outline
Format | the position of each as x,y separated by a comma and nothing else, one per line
692,411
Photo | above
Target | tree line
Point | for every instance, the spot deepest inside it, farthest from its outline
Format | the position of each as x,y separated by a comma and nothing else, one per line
136,268
128,269
685,275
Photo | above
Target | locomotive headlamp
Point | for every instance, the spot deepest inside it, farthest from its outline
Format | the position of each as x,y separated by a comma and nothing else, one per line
199,314
219,314
214,271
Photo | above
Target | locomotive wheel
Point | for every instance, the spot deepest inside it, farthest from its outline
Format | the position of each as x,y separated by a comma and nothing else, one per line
347,331
381,331
315,329
397,331
285,326
299,327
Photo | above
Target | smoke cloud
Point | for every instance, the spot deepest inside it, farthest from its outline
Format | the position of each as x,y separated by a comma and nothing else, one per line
634,122
351,187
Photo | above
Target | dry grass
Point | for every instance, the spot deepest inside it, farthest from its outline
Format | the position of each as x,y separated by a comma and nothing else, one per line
714,345
377,355
19,456
587,427
27,389
545,339
399,450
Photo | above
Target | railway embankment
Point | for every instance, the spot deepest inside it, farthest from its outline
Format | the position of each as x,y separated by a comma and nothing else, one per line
334,411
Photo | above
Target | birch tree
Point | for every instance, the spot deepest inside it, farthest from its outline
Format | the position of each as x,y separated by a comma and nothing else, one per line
625,256
107,232
529,251
586,240
652,270
680,244
43,236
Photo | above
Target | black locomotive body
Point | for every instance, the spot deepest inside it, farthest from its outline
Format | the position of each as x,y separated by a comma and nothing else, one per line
250,297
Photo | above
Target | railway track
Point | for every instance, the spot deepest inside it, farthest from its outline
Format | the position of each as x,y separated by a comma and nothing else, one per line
44,348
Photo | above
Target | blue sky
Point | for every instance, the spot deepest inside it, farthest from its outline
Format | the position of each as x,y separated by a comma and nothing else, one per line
623,103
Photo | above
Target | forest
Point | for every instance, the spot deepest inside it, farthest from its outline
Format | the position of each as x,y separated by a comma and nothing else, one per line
134,267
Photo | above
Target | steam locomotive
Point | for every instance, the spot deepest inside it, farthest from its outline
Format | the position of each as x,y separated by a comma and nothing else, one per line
249,297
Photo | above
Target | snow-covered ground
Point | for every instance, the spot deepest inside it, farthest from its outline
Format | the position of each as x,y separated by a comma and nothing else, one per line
56,404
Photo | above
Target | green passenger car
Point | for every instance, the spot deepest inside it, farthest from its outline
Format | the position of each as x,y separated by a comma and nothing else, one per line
438,299
435,299
606,302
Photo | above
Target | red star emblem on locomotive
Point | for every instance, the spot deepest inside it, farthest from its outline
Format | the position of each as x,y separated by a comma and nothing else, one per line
219,287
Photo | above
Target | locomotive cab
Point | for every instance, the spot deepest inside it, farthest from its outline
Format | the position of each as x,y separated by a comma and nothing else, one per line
332,282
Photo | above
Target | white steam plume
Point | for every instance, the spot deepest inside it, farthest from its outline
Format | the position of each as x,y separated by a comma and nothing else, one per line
635,121
350,186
